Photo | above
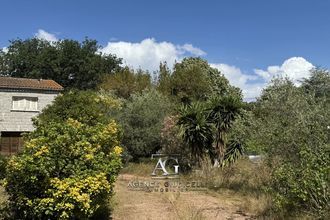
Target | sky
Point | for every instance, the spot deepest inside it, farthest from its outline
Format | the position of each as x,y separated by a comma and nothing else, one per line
249,41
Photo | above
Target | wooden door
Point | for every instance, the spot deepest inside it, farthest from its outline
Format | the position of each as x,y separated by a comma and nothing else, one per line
10,143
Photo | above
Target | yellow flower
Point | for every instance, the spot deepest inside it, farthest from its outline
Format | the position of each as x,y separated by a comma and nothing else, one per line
89,156
74,123
118,150
42,150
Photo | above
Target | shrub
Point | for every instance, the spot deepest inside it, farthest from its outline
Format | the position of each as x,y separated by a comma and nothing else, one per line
142,119
87,107
172,143
292,128
66,170
3,164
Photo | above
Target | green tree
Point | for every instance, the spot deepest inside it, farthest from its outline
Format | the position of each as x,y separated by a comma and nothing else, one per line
292,126
125,82
205,126
88,107
164,79
142,117
318,83
223,112
194,79
196,129
68,62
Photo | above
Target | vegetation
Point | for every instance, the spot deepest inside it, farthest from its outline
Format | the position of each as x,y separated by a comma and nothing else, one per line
142,118
70,63
193,79
204,128
3,164
87,107
66,170
70,162
126,82
196,130
300,157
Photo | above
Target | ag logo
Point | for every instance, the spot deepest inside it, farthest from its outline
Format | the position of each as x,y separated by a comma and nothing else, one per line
167,166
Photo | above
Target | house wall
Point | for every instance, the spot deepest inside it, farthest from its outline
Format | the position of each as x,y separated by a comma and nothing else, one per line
20,121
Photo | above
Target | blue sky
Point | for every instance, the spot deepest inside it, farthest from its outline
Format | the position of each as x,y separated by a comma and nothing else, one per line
250,41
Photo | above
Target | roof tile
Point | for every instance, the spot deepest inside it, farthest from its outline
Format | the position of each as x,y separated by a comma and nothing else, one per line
23,83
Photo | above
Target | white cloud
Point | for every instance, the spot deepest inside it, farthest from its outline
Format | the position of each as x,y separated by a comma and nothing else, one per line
148,53
193,50
236,77
233,74
296,68
44,35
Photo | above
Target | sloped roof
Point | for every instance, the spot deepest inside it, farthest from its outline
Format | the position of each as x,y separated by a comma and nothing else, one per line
35,84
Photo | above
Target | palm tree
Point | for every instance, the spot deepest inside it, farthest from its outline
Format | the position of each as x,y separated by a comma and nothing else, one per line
223,112
195,129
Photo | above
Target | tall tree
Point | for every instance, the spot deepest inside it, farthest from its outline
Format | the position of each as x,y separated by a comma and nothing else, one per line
196,129
164,79
193,79
223,112
69,62
142,118
292,126
125,82
318,83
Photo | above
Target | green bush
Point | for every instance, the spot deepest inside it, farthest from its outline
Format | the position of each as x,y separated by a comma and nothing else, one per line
3,164
291,125
67,170
87,107
142,118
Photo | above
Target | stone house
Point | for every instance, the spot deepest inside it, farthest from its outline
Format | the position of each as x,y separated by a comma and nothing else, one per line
20,100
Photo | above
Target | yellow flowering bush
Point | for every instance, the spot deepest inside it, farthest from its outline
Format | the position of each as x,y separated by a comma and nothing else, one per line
67,170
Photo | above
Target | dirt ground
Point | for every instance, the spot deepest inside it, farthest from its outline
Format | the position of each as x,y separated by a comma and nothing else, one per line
142,205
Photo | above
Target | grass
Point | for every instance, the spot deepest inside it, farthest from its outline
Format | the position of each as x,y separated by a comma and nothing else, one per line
142,169
242,183
238,189
244,180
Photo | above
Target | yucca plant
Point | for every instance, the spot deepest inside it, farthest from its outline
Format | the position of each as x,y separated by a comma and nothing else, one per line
222,112
233,153
195,129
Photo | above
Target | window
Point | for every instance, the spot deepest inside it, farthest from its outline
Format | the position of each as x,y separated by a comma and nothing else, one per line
25,103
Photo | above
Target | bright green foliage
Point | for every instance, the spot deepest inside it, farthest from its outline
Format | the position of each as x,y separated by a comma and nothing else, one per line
142,118
87,107
66,171
292,126
70,63
126,82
